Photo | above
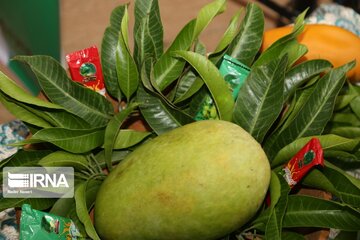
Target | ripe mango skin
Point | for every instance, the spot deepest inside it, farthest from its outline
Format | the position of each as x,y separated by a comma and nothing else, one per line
200,181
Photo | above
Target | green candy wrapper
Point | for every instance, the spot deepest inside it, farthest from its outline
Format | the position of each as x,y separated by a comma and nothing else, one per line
234,73
37,225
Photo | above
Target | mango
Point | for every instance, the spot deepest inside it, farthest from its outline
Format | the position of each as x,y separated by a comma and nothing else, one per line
196,182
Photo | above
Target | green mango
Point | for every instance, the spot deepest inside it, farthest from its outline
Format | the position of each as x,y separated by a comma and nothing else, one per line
199,181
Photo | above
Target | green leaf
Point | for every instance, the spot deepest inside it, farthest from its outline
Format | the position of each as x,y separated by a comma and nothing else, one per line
79,100
314,113
248,41
65,159
75,141
11,89
349,119
206,14
343,101
108,52
286,45
126,68
355,106
342,159
117,156
302,72
160,116
214,82
36,203
112,130
167,69
348,132
260,99
229,33
128,138
26,158
328,142
148,31
82,208
22,113
306,211
187,86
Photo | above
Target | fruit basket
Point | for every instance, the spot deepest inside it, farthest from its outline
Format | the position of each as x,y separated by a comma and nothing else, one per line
265,100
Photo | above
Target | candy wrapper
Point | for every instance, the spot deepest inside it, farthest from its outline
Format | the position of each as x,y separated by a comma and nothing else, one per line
234,73
309,156
85,68
37,225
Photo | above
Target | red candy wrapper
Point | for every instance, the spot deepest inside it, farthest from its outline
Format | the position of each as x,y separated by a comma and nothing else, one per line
85,68
308,157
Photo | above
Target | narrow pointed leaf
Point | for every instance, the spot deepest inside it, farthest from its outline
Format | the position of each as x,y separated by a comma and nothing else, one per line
312,117
64,159
126,68
128,138
214,82
306,211
328,142
82,210
11,89
23,114
108,52
148,31
260,99
61,90
168,69
36,203
112,130
75,141
206,14
302,72
248,40
158,113
229,33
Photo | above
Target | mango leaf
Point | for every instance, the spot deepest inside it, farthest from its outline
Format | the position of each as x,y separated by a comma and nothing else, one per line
343,101
11,89
187,86
260,99
168,69
126,68
36,203
328,142
278,205
79,100
148,31
65,159
229,33
348,119
306,211
108,52
117,156
206,14
286,45
302,72
342,159
314,114
347,131
112,130
24,158
336,182
82,207
354,104
160,116
248,40
22,113
347,185
214,82
75,141
128,138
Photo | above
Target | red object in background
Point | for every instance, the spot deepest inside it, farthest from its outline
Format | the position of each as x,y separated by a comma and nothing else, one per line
85,68
308,157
